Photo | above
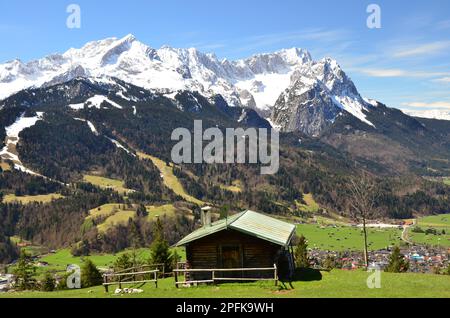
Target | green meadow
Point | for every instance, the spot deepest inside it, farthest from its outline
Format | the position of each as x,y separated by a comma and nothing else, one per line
44,198
107,183
340,238
440,223
334,284
442,220
114,214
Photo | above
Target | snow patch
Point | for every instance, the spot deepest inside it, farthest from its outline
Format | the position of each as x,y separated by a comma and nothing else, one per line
22,123
274,126
95,101
353,107
120,146
121,95
243,115
9,152
370,101
266,88
90,124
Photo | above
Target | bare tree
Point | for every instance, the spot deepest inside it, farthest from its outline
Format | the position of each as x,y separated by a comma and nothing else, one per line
363,198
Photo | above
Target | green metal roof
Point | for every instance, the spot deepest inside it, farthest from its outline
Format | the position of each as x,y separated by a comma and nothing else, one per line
251,223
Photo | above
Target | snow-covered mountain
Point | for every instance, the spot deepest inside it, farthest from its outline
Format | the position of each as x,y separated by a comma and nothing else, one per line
255,82
288,87
431,114
318,93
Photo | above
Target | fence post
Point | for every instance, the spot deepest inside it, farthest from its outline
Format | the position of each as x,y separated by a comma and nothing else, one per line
105,281
176,278
275,274
156,279
214,277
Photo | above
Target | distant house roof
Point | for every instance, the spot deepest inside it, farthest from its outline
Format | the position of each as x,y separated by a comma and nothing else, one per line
251,223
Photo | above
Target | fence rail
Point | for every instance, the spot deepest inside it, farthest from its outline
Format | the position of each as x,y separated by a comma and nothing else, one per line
135,275
215,278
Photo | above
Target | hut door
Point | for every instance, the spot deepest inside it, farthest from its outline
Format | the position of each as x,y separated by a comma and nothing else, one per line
231,256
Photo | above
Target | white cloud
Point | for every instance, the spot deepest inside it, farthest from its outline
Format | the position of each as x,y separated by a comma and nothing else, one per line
384,72
443,80
395,72
424,49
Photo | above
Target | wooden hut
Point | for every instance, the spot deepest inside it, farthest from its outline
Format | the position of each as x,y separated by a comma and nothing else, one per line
242,241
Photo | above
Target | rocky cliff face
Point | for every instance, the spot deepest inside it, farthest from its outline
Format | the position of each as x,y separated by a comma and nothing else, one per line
318,94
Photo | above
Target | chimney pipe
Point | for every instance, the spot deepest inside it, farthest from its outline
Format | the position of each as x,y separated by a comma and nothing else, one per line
206,216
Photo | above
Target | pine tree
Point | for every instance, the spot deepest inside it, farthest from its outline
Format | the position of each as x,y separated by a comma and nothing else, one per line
135,237
224,210
159,250
90,275
175,259
123,262
301,253
141,211
49,283
397,263
329,263
24,272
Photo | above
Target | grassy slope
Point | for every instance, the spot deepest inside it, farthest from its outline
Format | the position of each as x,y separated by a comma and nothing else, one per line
58,261
433,240
170,180
334,284
107,183
344,237
438,222
447,181
5,166
235,186
116,214
442,220
63,257
311,205
120,217
31,249
167,210
45,198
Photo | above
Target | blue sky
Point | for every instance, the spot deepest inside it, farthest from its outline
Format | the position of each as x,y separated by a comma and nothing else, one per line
405,64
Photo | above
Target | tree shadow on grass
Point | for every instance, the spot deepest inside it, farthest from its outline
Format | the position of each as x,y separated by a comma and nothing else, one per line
307,275
301,275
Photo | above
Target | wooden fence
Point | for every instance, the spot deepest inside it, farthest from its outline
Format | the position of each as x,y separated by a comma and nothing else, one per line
215,278
134,275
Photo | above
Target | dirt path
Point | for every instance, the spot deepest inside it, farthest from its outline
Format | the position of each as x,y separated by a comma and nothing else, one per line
405,233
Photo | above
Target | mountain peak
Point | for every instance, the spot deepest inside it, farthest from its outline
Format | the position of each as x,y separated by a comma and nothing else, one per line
295,53
255,82
128,38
